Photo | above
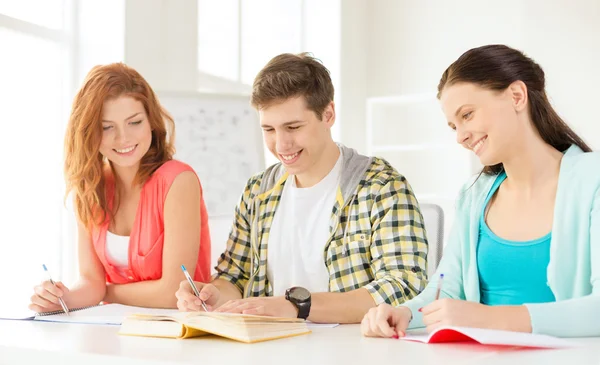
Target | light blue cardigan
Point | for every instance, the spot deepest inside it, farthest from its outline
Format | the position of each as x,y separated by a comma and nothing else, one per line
574,268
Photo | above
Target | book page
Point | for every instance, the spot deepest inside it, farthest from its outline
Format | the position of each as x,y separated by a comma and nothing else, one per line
310,324
112,314
235,317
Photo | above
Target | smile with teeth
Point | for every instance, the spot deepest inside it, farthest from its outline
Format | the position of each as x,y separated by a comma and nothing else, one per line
478,145
289,157
126,150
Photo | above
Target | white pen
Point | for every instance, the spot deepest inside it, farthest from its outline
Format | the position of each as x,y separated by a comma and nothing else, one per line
196,292
62,302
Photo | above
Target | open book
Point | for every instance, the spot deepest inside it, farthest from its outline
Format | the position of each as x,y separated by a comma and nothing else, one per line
487,337
239,327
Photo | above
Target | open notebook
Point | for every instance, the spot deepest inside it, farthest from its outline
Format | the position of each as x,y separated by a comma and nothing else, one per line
113,314
487,337
239,327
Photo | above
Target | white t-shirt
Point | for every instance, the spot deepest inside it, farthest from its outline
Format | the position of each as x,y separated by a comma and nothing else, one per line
300,230
117,250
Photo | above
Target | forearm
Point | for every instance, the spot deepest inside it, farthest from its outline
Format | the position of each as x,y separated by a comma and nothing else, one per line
509,318
150,293
85,293
577,317
349,307
227,290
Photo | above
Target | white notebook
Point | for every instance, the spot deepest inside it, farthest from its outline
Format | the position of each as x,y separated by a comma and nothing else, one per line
488,337
112,314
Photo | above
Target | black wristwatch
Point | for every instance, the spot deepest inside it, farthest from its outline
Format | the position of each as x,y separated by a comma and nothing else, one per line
300,298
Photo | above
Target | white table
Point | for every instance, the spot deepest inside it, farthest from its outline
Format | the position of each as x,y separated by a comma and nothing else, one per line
29,342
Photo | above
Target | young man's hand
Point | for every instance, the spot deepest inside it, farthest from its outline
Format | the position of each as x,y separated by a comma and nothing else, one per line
187,301
262,306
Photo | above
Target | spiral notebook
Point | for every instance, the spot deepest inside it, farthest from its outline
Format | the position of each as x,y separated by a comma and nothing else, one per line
108,314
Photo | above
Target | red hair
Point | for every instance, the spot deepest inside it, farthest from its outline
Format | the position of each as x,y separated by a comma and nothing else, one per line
84,165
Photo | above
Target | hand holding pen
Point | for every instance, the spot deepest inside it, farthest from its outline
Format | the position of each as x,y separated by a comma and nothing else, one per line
194,289
48,296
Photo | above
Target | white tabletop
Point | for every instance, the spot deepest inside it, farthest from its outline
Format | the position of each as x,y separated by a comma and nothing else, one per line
28,342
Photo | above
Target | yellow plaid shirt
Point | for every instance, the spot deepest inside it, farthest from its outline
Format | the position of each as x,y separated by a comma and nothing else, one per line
377,240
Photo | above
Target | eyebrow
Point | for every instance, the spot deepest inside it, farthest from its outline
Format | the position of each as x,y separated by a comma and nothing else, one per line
283,125
126,119
460,108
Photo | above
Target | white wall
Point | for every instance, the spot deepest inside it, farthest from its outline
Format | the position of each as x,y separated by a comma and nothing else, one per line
353,72
391,47
401,47
411,43
161,40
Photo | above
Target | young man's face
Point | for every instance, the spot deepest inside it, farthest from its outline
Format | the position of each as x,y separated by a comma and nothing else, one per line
295,135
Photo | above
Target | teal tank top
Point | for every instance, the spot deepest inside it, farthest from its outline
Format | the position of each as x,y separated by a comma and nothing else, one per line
511,272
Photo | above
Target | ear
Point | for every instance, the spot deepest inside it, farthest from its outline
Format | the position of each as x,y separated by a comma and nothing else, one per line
518,94
329,114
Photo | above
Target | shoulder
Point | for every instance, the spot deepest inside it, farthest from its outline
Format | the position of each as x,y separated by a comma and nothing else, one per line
173,178
172,168
264,181
579,179
185,186
383,183
379,172
170,171
474,190
581,166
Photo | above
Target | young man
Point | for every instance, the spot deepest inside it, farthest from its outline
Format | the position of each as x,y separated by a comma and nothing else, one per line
327,233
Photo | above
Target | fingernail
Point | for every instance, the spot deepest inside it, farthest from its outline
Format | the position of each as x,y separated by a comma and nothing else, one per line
395,336
420,309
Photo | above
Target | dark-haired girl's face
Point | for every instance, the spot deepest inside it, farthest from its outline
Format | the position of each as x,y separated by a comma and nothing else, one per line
485,121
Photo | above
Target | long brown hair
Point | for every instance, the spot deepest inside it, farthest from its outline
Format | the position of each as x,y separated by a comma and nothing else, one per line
496,67
84,165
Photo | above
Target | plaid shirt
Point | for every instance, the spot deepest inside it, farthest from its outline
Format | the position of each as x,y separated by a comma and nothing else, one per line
377,238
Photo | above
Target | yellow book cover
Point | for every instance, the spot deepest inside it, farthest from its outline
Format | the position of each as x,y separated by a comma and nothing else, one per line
239,327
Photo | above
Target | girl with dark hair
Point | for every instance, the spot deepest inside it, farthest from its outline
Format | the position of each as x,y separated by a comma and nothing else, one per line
524,254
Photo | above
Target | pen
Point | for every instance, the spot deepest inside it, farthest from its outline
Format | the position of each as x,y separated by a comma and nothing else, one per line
439,287
196,292
62,302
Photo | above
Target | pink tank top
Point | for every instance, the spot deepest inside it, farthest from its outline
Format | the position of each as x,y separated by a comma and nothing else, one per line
147,234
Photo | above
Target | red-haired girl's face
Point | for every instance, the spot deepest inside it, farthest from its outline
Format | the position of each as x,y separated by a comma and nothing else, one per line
126,132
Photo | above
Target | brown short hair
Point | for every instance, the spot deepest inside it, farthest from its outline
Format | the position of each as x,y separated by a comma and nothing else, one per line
292,75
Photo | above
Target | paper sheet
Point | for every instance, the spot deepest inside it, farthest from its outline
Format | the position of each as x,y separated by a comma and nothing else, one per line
113,314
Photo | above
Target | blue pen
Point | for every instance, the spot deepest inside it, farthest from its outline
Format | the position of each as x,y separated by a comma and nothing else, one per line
196,292
62,302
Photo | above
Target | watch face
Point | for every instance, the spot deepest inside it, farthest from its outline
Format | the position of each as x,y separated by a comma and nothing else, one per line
299,294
